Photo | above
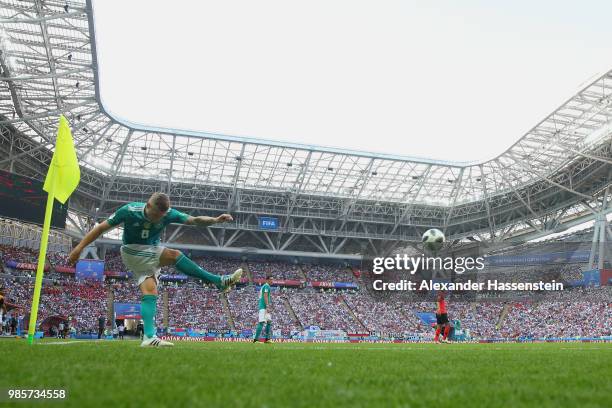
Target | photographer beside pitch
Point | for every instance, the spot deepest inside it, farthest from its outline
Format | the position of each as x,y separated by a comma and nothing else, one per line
142,254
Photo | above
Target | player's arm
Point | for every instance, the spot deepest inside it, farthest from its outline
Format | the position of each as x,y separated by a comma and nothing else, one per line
204,221
91,236
115,219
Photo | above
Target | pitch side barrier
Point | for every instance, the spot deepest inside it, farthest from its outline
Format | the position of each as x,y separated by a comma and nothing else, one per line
607,339
604,339
62,269
280,340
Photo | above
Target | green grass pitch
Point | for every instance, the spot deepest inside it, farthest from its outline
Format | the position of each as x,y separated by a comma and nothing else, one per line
120,373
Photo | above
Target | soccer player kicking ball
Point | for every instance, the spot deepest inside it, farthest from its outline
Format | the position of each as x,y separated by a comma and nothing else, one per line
264,314
142,254
442,319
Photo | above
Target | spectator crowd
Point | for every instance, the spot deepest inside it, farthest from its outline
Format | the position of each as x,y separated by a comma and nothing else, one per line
192,305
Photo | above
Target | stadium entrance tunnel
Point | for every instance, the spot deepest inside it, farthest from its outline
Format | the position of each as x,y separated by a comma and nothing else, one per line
52,321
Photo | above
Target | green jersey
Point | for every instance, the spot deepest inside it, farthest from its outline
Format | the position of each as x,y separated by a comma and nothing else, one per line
137,229
265,288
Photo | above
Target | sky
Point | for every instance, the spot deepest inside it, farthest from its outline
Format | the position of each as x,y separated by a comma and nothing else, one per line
450,80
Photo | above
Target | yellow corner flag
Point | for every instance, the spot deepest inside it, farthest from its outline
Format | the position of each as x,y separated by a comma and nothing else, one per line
64,173
62,179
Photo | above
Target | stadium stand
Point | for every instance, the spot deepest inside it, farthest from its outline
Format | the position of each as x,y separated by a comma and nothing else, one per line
576,312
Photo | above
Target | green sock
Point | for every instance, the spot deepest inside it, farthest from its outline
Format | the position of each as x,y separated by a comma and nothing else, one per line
148,307
258,331
188,267
268,330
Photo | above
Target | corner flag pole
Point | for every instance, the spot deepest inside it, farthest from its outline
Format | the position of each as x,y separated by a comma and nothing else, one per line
62,179
44,240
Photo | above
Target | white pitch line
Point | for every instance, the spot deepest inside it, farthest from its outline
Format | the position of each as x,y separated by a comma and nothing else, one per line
62,343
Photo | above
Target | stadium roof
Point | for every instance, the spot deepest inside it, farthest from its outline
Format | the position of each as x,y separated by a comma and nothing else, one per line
48,62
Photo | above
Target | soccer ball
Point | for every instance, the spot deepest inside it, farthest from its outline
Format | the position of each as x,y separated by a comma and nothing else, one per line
433,239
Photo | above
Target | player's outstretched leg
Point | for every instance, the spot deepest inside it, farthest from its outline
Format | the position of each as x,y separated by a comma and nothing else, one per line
190,268
258,332
268,332
148,309
228,281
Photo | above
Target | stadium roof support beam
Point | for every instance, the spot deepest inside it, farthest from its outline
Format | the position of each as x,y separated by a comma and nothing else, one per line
114,169
212,236
408,208
590,156
340,245
49,51
351,203
231,205
76,224
336,172
455,195
237,233
174,233
319,247
44,19
95,115
172,156
518,195
6,74
392,246
487,203
299,181
293,235
35,169
588,207
272,246
53,76
46,114
600,227
17,103
553,222
530,169
288,241
323,244
376,251
46,146
102,135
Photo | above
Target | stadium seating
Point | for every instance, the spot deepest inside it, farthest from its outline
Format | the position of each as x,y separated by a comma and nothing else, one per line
576,312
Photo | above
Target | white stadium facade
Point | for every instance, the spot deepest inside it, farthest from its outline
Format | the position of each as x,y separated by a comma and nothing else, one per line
327,203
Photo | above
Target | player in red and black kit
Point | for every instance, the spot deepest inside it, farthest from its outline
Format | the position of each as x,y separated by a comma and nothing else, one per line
441,319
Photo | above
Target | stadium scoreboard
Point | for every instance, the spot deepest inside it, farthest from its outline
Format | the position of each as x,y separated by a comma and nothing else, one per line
24,199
